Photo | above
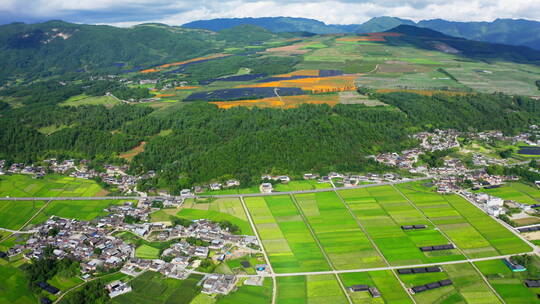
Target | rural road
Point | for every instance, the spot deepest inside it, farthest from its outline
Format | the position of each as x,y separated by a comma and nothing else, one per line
95,198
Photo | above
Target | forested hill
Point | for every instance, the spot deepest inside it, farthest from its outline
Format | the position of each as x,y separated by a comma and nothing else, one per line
200,142
57,47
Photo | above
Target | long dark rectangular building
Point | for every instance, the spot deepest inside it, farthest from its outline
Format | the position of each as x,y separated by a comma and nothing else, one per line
437,247
429,286
413,227
419,270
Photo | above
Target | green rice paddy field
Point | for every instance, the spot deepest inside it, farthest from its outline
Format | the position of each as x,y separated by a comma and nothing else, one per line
469,228
468,286
385,281
49,186
284,226
309,289
285,236
152,287
229,209
509,285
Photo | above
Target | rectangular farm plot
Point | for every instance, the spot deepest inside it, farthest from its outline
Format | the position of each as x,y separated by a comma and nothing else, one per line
13,214
510,286
78,210
382,211
228,209
342,239
390,288
473,231
467,286
285,236
309,289
49,186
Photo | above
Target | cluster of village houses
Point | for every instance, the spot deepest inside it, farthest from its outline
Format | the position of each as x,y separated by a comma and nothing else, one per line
97,246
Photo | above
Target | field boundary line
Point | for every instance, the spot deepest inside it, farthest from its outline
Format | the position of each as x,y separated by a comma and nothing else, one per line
373,244
321,248
26,223
450,240
254,228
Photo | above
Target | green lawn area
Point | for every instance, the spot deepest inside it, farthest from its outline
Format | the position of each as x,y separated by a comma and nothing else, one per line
250,294
49,186
147,252
509,285
382,211
229,209
385,281
13,214
285,235
473,231
14,287
309,289
518,192
345,244
79,210
152,287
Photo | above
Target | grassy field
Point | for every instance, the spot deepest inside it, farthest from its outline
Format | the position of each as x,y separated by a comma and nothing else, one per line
147,252
345,244
509,285
473,231
13,214
79,210
14,286
254,189
229,209
81,100
151,287
48,186
518,192
249,294
382,211
309,289
385,281
285,236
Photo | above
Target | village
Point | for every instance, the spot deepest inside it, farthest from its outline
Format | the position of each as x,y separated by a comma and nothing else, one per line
97,246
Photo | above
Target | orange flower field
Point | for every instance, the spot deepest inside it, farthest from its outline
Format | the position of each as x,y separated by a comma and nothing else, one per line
286,102
314,85
164,95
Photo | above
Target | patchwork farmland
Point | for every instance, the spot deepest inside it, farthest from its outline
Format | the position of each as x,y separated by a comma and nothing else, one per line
359,233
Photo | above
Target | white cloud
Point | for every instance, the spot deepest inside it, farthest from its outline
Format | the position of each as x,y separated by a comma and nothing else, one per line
175,12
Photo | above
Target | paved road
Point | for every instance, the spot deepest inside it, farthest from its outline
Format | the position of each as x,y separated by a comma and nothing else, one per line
19,231
293,274
95,198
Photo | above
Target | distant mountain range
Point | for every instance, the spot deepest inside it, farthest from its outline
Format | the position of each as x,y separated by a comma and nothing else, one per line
505,31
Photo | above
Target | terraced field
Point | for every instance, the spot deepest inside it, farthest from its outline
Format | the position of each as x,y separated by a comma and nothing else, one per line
285,236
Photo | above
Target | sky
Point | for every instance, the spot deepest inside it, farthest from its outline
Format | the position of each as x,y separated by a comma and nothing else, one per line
177,12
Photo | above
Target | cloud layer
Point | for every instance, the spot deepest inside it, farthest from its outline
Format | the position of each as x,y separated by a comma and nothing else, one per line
176,12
